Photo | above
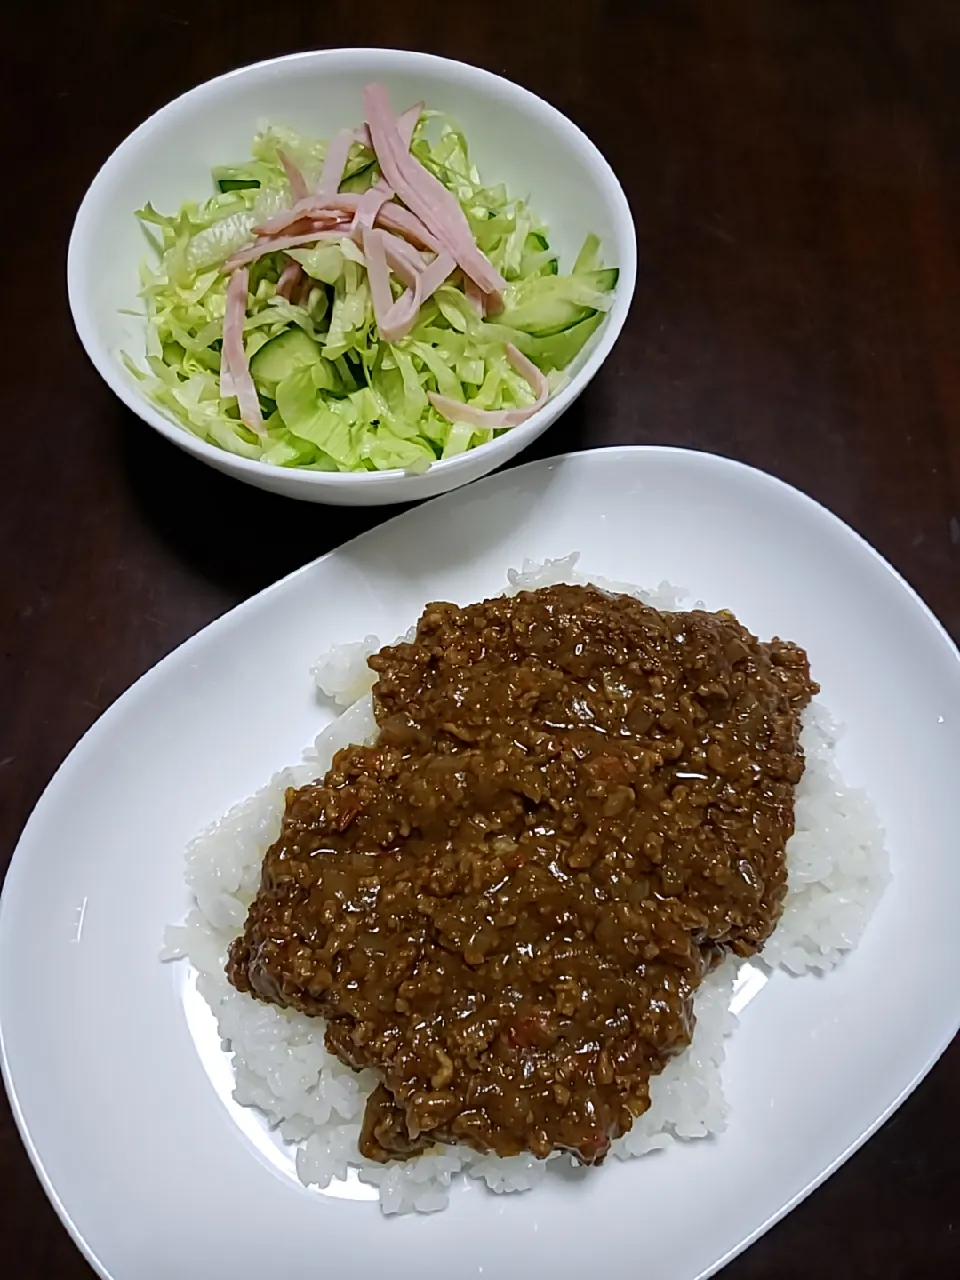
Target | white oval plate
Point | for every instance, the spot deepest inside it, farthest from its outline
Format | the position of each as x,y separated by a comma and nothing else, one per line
151,1171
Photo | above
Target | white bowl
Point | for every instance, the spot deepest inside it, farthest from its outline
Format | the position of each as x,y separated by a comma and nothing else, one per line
515,137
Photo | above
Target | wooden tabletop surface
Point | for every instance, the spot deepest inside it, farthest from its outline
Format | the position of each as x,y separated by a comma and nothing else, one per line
794,170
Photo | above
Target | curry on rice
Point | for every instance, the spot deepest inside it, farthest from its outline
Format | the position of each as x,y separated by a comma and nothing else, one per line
575,806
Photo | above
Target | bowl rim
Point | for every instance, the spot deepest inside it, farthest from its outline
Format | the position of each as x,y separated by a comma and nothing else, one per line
108,367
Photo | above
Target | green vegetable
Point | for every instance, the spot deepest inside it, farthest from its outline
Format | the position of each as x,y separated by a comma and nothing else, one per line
559,349
362,180
538,258
334,396
588,259
544,305
293,349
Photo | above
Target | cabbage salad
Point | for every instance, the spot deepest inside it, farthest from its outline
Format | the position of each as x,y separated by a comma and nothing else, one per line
361,304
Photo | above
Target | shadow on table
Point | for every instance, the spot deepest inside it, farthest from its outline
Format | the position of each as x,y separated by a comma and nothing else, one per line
242,538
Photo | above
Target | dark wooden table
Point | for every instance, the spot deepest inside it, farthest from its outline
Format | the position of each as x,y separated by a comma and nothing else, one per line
794,168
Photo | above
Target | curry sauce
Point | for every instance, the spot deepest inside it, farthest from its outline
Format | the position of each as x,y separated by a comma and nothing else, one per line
574,807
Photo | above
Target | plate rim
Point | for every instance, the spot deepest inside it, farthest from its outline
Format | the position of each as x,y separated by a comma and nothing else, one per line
18,858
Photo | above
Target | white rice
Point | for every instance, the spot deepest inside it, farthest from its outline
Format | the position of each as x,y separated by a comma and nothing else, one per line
837,869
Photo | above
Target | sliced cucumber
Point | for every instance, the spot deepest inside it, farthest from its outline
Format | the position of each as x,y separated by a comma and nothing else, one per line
538,259
545,316
603,278
557,351
237,177
547,305
280,356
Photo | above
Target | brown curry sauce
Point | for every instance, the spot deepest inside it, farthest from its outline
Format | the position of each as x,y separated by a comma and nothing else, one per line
575,806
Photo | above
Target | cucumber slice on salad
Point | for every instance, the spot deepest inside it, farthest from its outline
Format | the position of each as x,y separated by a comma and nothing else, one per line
557,350
241,177
279,357
538,258
547,305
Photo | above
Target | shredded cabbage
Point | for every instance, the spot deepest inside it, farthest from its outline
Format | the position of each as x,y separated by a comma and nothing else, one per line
358,403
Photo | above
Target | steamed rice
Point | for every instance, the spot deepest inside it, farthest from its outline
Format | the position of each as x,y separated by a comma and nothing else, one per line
837,870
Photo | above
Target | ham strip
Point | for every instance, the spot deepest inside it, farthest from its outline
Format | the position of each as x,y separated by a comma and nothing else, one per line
425,195
289,279
312,207
306,223
301,295
392,216
396,218
402,257
435,274
378,273
232,316
403,314
227,387
371,202
298,185
406,125
274,244
396,319
455,411
334,163
234,357
422,236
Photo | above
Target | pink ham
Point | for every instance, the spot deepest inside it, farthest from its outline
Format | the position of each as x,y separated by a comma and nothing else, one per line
234,358
306,223
406,124
396,319
435,274
402,257
346,205
227,387
317,210
378,274
370,204
334,163
289,279
425,195
403,314
338,153
275,243
298,186
301,295
422,240
396,218
455,411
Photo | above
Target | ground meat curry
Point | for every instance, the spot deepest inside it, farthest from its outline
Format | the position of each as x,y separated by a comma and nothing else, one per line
574,807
